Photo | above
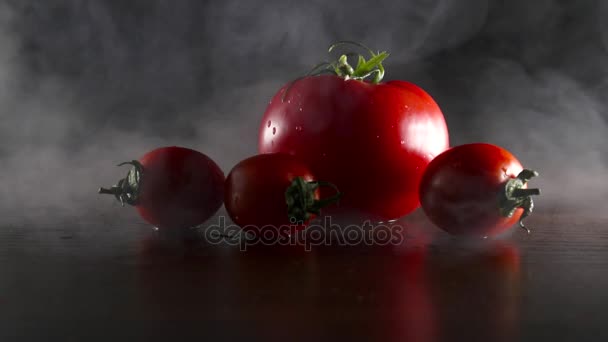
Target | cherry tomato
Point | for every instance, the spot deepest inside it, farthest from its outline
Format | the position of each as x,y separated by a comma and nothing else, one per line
476,189
273,191
372,139
172,187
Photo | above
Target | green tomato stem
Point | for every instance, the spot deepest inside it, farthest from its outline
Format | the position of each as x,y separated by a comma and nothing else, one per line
514,196
364,68
525,192
127,189
301,201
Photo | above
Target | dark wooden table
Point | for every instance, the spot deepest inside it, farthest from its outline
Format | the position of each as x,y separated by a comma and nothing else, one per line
99,278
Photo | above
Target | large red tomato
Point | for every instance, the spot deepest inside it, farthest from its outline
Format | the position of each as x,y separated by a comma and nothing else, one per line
476,189
172,187
372,140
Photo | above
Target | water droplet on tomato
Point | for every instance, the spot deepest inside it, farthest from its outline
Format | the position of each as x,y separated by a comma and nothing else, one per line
324,155
274,130
377,136
402,142
299,128
269,123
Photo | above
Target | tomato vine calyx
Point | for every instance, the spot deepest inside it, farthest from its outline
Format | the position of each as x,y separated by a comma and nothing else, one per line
127,189
515,196
364,69
301,202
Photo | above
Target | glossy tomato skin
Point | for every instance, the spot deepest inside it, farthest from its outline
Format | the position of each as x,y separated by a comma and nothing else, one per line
181,188
460,189
255,190
372,140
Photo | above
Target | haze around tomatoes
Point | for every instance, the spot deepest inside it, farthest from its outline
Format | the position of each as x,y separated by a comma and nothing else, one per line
372,139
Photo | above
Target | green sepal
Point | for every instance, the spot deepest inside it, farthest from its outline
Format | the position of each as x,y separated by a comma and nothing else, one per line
301,200
514,195
128,189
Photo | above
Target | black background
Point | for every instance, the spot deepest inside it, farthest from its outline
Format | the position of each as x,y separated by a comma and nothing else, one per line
85,85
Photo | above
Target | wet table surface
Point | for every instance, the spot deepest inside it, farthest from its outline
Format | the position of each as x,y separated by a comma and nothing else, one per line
99,278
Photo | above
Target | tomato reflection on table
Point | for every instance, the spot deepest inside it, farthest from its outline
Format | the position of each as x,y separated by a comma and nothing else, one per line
427,289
